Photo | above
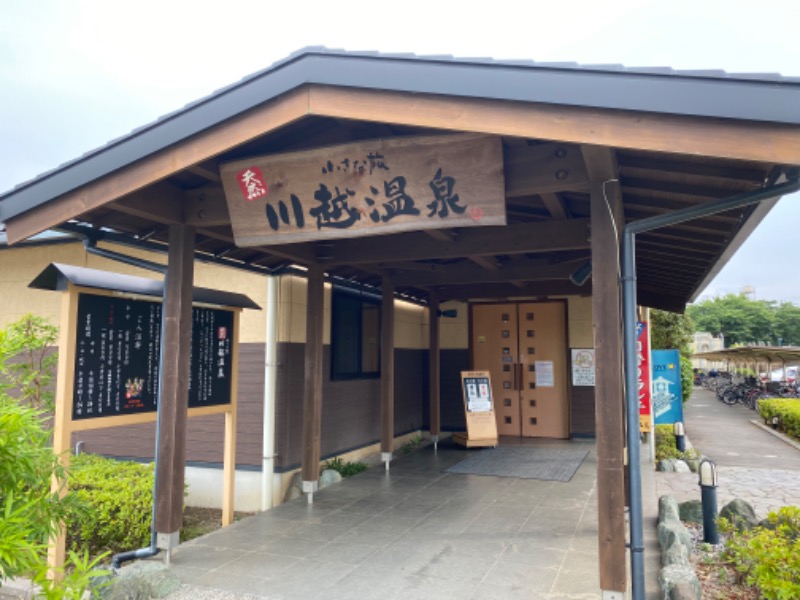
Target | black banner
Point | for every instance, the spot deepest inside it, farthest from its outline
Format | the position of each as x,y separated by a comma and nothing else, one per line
117,351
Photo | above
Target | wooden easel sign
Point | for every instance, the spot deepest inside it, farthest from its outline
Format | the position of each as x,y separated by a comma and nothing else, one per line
476,387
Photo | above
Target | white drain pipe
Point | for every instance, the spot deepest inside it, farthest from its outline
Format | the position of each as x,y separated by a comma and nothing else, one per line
270,381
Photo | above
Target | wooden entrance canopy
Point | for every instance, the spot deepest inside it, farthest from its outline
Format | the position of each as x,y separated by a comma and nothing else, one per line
584,151
670,139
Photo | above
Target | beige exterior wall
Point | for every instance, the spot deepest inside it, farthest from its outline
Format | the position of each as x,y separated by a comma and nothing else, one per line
410,324
454,333
579,322
20,265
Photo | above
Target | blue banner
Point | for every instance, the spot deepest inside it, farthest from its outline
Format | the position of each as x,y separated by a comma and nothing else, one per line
667,390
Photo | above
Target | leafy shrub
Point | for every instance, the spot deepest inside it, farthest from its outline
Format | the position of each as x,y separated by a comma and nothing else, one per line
31,511
786,409
28,360
116,500
665,443
769,557
345,468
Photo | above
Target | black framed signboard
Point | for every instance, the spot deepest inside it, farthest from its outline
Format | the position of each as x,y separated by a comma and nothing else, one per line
117,350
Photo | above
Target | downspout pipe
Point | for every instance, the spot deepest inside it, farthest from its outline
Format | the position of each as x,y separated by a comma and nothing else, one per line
629,346
270,385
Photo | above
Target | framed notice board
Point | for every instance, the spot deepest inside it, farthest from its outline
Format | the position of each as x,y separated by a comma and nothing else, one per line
117,349
476,387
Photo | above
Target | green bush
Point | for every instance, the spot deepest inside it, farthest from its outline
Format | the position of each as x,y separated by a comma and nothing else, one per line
665,443
30,510
786,409
345,469
115,504
768,557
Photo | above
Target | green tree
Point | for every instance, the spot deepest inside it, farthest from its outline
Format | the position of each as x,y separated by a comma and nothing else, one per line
745,321
673,331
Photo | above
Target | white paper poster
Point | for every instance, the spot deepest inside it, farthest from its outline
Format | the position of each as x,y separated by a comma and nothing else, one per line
583,366
545,376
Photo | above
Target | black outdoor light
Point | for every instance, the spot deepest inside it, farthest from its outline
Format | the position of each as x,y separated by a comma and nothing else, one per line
450,313
680,436
708,495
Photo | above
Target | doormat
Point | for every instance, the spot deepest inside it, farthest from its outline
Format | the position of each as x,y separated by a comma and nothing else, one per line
524,462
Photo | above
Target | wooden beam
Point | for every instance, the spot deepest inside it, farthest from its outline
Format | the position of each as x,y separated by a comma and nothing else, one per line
607,226
485,262
705,169
443,235
657,299
162,203
502,291
434,366
775,143
147,171
467,273
554,205
206,207
387,370
312,389
544,168
174,386
207,174
551,236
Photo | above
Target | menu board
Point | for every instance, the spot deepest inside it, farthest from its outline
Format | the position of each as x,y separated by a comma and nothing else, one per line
117,357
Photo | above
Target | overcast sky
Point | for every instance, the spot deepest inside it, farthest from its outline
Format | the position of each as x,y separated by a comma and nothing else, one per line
75,74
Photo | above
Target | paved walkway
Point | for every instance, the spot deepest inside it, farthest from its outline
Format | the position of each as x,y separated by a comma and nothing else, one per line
752,463
413,533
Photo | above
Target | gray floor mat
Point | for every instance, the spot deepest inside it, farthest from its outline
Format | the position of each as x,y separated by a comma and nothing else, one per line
553,464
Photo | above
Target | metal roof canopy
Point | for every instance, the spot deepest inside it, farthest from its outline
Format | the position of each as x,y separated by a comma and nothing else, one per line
56,277
745,354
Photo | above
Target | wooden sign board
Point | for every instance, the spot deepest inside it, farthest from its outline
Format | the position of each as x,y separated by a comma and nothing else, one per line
117,350
366,188
476,387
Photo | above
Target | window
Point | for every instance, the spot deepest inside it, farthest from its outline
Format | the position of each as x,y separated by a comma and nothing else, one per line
355,335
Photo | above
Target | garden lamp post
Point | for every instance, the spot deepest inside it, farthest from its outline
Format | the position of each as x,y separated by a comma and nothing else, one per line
708,495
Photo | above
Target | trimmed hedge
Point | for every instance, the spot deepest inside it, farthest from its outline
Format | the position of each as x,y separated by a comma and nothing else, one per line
115,504
787,410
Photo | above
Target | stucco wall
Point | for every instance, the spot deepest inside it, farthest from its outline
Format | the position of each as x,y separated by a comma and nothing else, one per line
20,265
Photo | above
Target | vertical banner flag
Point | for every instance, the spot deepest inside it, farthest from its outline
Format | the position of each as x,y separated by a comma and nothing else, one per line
667,392
643,375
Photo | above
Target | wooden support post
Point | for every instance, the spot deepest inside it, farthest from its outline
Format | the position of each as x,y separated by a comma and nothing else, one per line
229,457
176,344
56,552
387,371
607,224
434,371
312,391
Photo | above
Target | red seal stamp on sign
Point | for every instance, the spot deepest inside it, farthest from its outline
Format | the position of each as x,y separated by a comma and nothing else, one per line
251,182
476,213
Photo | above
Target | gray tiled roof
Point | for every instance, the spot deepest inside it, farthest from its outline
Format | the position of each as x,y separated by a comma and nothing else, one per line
708,93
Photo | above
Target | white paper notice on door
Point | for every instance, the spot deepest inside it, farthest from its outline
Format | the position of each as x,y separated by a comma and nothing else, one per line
545,376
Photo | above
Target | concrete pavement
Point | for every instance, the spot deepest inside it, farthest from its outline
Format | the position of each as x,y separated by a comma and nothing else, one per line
752,463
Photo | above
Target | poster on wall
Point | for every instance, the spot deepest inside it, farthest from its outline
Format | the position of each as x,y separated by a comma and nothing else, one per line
117,357
667,394
478,394
583,366
545,374
643,375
